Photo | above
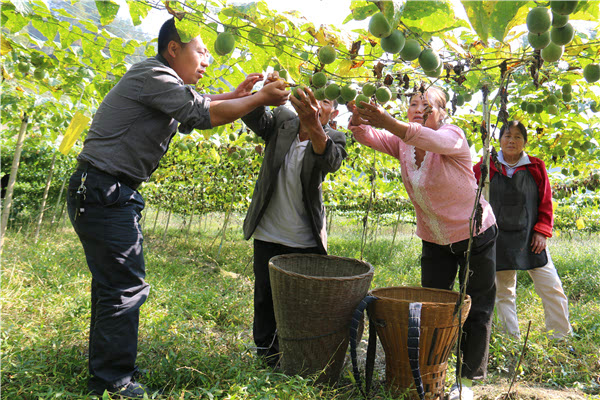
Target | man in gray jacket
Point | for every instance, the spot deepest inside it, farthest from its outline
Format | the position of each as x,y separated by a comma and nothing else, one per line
130,133
286,214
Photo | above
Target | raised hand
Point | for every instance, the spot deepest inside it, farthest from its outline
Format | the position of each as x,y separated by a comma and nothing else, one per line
274,93
373,115
306,106
245,88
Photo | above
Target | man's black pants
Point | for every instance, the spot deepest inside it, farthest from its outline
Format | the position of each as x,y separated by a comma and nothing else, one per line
264,328
110,233
439,265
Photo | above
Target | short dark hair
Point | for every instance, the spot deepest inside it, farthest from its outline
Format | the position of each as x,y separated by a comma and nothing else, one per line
168,32
506,127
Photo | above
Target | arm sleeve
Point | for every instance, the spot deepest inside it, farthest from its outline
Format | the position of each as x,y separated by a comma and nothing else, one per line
335,152
379,140
165,92
545,220
448,140
261,121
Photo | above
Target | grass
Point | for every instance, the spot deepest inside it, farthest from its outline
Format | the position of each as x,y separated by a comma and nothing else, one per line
195,330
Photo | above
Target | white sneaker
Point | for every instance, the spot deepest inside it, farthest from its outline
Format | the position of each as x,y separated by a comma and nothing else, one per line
467,393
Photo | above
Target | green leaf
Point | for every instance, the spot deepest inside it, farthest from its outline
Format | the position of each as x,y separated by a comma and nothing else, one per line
108,10
138,11
187,29
495,18
426,17
15,22
393,10
46,29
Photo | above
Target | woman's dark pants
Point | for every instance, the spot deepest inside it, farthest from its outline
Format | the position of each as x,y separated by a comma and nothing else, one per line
439,265
110,233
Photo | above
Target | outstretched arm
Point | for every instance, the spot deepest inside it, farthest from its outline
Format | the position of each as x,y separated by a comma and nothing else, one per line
226,111
244,89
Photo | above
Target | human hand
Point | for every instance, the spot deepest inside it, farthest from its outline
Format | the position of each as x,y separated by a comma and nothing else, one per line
272,77
355,120
245,88
373,115
274,93
538,242
306,106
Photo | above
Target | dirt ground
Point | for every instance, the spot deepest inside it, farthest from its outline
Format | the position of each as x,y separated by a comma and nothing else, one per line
522,391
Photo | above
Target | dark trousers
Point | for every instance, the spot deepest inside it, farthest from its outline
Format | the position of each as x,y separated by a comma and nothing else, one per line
439,265
264,328
110,233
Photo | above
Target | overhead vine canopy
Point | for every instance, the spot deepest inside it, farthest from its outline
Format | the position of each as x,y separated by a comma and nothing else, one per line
60,57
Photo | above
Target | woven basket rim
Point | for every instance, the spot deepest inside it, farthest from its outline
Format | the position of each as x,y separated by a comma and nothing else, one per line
467,298
371,270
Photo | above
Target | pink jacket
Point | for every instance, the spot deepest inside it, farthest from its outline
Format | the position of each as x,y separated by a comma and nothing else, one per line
443,189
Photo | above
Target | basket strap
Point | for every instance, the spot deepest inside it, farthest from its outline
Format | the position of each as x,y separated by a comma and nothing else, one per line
357,316
414,332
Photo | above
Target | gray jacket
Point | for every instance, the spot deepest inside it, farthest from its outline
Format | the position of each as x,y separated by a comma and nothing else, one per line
279,128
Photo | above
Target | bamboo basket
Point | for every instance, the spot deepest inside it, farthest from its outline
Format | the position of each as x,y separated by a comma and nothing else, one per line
439,327
314,297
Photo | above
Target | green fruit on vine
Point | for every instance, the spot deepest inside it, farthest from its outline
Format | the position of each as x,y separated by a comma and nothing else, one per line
539,108
552,109
591,73
348,93
538,20
369,89
225,43
436,72
255,35
563,7
576,172
282,72
332,91
562,36
393,43
558,21
248,138
361,98
538,40
552,99
235,156
242,153
566,88
468,97
379,26
564,171
594,106
181,146
319,79
524,106
383,95
320,94
567,97
460,100
39,74
232,137
295,90
552,52
327,54
429,60
571,152
23,67
531,108
411,50
37,59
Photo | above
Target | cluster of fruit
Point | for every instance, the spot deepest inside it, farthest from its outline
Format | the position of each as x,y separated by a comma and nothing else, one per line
550,30
37,61
550,103
394,42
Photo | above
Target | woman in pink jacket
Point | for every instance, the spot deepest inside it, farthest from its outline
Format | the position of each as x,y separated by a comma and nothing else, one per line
438,174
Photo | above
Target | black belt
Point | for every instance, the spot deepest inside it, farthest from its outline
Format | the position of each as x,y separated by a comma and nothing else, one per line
86,166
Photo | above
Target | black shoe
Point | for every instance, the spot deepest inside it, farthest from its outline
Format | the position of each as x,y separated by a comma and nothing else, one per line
132,390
